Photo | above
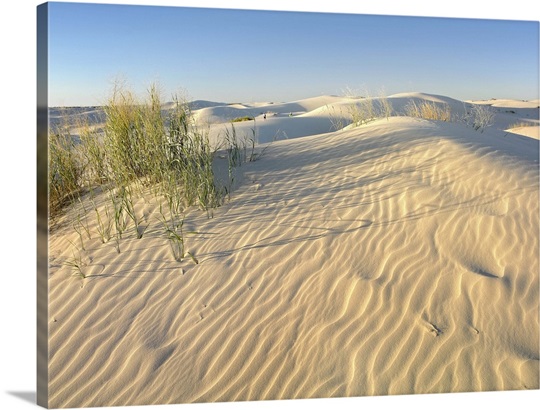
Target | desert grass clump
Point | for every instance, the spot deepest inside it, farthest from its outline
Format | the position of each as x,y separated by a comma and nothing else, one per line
174,231
129,207
188,160
139,147
129,137
238,148
356,113
384,109
76,264
141,150
104,223
144,144
92,155
65,170
238,151
367,109
337,120
81,226
196,173
362,111
429,110
118,200
234,156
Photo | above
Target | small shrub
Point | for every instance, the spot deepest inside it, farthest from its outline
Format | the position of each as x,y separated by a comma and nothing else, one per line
481,117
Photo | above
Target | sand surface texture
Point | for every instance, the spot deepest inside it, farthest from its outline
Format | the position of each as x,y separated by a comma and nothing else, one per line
396,257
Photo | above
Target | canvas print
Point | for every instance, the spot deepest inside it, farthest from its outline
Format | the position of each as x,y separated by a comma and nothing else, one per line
245,205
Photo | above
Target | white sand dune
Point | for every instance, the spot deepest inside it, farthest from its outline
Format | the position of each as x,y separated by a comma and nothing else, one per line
506,103
393,258
318,115
194,104
517,116
399,101
279,122
225,113
321,115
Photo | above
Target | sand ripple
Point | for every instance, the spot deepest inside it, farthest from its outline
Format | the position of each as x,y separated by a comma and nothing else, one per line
390,259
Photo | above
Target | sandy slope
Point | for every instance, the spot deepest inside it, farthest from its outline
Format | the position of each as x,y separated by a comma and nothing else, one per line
322,114
397,257
315,115
529,131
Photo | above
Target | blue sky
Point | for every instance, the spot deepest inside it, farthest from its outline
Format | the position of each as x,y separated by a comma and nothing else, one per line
246,56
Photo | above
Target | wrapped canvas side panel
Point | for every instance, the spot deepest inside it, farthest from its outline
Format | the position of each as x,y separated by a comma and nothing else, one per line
42,206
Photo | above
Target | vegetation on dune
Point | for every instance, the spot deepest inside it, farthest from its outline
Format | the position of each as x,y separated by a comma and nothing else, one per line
362,110
139,144
521,124
366,109
480,117
428,110
145,150
141,151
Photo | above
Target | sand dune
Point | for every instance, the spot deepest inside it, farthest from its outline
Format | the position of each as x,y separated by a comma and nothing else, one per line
317,115
322,114
225,113
505,103
531,131
393,258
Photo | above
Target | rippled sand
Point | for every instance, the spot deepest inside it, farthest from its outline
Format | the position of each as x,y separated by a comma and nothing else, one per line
394,258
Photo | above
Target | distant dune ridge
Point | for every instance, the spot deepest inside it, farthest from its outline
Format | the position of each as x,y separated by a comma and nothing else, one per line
400,256
318,115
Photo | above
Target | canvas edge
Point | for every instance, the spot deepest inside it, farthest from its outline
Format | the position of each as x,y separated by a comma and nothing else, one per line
42,395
